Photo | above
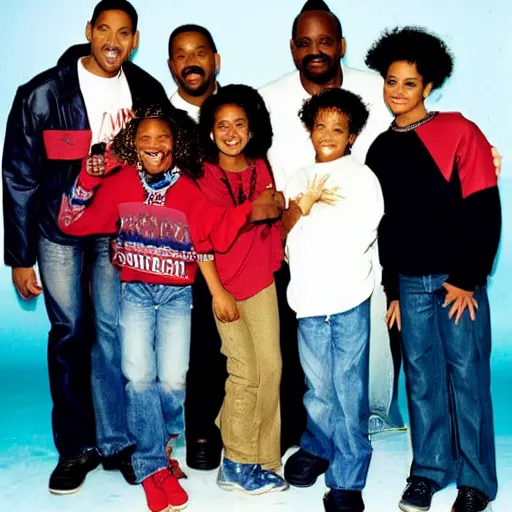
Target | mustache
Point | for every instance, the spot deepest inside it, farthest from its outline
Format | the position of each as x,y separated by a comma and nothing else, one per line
189,70
111,48
316,56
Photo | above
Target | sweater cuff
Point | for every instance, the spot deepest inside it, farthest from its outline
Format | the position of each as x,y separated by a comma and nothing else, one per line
391,285
86,181
462,281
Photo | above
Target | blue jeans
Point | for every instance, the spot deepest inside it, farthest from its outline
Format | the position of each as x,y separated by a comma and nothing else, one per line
334,353
155,346
448,380
81,335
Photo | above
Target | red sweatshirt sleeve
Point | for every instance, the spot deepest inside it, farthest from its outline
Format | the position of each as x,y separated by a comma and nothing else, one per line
90,207
213,227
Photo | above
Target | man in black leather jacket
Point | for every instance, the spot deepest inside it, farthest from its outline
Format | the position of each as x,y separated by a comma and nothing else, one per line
53,121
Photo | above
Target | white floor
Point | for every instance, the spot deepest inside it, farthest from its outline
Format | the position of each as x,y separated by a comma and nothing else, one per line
24,474
27,457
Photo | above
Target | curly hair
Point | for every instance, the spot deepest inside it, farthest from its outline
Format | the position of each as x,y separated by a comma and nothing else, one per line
432,57
253,105
342,101
186,153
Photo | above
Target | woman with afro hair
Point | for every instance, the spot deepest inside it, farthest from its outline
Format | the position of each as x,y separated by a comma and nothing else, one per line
438,240
142,190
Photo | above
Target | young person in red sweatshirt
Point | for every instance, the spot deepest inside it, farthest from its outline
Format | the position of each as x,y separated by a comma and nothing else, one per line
164,225
236,133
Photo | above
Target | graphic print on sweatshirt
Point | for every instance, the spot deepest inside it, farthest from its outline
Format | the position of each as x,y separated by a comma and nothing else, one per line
154,240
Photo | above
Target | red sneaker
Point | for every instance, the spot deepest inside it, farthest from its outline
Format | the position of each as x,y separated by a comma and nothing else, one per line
177,498
155,495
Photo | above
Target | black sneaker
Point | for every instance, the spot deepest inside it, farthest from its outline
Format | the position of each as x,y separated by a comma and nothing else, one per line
303,468
470,500
70,473
338,500
417,496
204,454
122,462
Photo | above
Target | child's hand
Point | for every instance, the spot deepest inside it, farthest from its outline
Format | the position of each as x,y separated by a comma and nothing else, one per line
95,165
101,164
224,307
330,196
267,206
315,192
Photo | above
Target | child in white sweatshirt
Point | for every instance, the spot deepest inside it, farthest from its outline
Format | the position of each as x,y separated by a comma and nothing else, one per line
329,250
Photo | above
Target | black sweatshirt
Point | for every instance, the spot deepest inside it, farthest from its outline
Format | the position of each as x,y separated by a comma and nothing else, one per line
442,205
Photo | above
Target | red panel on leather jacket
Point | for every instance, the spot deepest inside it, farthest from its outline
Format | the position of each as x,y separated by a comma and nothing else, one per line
67,144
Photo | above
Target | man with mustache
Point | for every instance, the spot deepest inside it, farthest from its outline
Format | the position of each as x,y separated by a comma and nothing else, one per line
194,64
55,119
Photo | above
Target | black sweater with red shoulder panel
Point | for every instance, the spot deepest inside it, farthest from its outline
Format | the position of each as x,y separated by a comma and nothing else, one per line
442,205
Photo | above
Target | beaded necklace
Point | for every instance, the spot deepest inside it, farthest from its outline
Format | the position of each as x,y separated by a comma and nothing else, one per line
242,197
415,125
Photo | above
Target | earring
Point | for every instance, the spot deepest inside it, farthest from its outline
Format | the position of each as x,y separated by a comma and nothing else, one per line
212,137
250,135
138,166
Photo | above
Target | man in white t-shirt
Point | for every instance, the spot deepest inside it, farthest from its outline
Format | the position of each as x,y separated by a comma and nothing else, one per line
194,64
317,47
55,120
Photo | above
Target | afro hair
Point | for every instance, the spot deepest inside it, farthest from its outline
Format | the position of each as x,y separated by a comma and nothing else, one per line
342,101
414,45
186,154
249,100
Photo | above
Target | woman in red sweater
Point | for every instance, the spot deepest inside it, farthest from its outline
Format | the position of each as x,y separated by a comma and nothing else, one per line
164,225
236,134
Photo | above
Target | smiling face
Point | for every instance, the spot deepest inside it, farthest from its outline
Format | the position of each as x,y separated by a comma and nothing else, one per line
112,41
405,92
330,135
154,144
317,47
193,63
231,130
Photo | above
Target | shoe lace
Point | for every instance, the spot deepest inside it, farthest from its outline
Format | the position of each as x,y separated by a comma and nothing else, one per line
418,487
67,464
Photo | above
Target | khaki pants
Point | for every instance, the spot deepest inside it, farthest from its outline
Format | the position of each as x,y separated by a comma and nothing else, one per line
249,420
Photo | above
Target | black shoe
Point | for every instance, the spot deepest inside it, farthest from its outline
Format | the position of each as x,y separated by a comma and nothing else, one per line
70,473
417,496
470,500
302,469
338,500
203,454
122,462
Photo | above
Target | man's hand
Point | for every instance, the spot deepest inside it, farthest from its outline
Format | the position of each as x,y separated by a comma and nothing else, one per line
497,160
267,206
224,307
25,281
393,315
460,300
